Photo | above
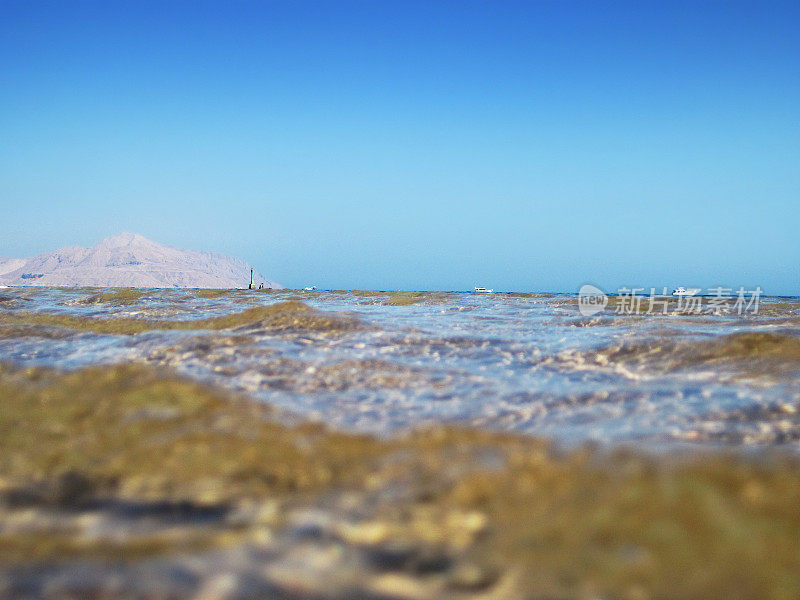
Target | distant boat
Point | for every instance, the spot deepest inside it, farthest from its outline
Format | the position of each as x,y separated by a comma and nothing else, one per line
311,288
482,290
682,291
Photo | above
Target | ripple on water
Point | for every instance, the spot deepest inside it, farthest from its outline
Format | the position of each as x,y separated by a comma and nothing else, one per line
381,361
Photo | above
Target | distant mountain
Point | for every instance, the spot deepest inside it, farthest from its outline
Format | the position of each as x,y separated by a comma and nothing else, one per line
130,260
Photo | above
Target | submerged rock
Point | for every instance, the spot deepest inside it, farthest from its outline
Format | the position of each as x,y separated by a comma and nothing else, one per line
281,317
129,482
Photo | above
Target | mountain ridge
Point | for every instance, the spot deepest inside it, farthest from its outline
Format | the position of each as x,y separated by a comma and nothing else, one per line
130,260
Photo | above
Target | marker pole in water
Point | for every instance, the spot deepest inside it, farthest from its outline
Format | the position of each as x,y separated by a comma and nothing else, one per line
251,280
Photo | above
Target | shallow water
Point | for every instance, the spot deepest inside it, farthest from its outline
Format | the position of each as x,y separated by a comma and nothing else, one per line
512,363
125,481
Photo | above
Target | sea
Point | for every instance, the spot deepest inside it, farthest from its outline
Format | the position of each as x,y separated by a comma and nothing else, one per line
716,375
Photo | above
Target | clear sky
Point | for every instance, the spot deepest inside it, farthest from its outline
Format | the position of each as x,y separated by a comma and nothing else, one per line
431,145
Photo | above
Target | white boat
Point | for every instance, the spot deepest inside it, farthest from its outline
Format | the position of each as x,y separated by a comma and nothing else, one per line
682,291
482,290
311,288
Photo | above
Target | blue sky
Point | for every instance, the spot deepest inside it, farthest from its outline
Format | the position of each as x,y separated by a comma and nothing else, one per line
432,145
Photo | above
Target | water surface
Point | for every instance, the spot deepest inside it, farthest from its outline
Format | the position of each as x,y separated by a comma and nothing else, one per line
524,363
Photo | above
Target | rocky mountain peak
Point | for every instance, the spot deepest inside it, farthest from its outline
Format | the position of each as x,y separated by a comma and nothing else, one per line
130,260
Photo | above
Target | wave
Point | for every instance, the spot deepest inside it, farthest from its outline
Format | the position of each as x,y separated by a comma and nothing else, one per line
751,352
